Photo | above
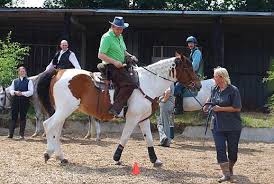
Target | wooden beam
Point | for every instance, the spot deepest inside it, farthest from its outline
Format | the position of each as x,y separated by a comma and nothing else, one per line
218,42
66,32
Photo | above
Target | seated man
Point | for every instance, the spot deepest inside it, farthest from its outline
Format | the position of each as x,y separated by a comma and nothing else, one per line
64,59
197,64
112,52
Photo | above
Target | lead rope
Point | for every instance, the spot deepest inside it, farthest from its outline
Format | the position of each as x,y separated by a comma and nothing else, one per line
210,113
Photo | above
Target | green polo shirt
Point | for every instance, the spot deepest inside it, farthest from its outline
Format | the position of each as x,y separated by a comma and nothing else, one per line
113,46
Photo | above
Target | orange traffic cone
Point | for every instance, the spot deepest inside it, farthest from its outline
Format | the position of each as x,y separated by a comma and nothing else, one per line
135,169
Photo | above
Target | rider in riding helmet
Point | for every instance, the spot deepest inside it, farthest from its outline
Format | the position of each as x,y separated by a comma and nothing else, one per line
196,59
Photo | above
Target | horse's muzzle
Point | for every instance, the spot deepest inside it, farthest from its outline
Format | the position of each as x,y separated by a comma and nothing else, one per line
198,85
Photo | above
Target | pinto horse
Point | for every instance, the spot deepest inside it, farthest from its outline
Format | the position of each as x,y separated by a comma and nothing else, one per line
65,91
40,114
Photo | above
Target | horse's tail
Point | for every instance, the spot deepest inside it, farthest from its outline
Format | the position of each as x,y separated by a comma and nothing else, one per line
43,90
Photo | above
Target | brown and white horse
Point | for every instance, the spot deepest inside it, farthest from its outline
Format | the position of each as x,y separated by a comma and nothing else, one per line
73,89
40,115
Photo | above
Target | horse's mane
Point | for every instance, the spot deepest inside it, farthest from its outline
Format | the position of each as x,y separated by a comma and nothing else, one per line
160,67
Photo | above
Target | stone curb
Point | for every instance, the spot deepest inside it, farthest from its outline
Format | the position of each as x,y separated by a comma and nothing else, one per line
248,134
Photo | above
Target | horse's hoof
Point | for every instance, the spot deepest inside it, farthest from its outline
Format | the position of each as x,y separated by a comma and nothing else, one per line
35,135
118,163
98,139
46,157
64,161
87,137
158,163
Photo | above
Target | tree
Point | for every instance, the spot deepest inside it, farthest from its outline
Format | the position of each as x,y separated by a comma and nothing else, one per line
115,4
5,3
209,5
11,54
227,5
151,4
255,5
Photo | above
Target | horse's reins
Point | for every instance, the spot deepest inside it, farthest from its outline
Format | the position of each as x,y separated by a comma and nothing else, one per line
210,109
157,74
151,100
148,97
195,97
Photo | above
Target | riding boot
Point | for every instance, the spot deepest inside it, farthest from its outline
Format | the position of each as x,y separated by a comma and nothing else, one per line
178,105
225,171
231,165
121,99
12,126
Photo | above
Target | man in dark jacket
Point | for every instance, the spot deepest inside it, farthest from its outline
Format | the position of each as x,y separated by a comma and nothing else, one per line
64,59
21,89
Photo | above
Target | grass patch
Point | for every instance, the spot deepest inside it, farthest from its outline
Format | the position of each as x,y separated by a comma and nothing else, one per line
257,120
249,119
187,119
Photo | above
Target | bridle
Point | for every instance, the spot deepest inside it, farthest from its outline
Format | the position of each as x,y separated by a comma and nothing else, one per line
191,84
157,74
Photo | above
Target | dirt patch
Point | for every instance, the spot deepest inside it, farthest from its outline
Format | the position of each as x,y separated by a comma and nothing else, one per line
186,161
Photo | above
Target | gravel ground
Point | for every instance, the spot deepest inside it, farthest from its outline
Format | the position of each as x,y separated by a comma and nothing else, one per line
186,161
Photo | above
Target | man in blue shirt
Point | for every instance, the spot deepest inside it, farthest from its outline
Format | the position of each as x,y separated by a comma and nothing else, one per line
196,58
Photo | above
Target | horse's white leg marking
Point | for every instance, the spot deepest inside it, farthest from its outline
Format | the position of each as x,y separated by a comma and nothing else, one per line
60,116
131,123
58,151
93,127
38,122
50,146
145,128
54,129
62,96
88,135
98,130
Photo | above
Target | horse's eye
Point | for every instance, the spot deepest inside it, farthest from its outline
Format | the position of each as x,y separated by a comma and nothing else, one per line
173,65
1,99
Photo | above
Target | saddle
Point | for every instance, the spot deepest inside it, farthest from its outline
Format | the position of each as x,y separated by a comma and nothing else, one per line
101,82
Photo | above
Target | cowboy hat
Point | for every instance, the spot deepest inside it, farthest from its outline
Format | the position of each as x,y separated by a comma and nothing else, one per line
119,22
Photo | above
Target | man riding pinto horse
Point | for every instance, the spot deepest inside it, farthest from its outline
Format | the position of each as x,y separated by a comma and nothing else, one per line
113,52
72,89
